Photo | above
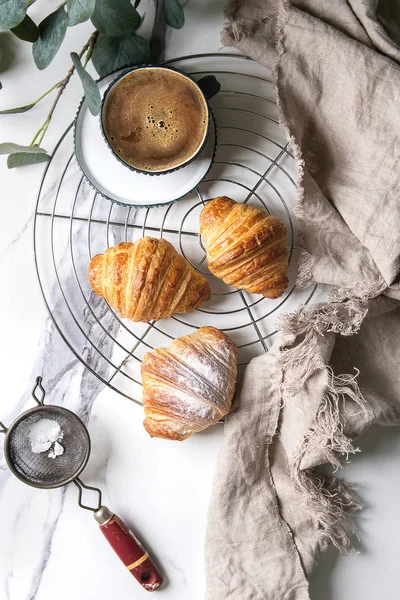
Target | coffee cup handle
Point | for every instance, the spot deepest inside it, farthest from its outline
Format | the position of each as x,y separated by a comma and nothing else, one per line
209,85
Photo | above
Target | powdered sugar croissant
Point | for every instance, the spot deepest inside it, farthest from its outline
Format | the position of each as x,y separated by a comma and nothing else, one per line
246,248
147,280
190,384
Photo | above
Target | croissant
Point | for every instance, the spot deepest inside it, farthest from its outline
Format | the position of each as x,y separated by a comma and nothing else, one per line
147,280
246,248
190,384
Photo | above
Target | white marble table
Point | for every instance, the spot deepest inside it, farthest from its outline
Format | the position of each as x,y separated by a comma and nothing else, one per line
51,549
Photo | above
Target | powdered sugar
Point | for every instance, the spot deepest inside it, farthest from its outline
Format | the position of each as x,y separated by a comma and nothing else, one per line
44,435
195,376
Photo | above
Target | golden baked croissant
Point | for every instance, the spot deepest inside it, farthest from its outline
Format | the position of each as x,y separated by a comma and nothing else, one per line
147,280
246,248
190,384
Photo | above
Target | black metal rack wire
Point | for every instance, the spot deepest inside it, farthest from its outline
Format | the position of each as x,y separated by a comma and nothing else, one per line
73,222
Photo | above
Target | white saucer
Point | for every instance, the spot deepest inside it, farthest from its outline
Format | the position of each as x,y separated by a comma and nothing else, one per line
110,178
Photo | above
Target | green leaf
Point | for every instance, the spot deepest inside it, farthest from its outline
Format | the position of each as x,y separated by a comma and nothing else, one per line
115,17
79,11
174,14
26,107
12,12
111,53
11,148
19,159
27,30
51,34
18,109
92,94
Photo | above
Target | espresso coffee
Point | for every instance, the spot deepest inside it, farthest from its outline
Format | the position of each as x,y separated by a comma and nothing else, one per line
155,119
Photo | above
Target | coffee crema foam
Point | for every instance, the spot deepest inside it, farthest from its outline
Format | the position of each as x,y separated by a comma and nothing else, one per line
155,119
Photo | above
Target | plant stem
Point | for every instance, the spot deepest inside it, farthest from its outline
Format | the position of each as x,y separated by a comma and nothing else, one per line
39,135
44,129
31,105
53,87
88,47
63,84
88,57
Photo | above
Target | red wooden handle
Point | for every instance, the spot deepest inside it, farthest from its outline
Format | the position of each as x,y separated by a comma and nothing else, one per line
129,549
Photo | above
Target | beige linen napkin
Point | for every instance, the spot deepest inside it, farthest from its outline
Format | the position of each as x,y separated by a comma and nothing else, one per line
335,368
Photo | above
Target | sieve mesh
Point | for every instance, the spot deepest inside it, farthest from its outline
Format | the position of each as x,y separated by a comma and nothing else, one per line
39,470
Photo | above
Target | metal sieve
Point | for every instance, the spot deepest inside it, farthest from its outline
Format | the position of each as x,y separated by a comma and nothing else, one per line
41,471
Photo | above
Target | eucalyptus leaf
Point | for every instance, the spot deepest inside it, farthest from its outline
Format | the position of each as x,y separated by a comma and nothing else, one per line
115,17
27,30
51,34
11,148
79,11
12,12
92,94
111,53
20,159
18,109
174,14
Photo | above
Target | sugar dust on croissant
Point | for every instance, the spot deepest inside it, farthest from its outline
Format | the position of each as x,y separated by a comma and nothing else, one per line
189,385
147,280
246,247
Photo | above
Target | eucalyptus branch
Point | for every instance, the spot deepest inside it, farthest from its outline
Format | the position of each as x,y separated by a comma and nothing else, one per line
39,135
116,45
53,87
88,57
21,109
63,84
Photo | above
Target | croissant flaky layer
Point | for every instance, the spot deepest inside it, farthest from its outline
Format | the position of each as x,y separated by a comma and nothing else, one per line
246,248
147,280
189,385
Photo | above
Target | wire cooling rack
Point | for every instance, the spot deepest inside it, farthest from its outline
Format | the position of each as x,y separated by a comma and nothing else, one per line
253,164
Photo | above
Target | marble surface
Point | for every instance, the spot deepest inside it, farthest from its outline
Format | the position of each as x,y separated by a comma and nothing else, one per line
49,547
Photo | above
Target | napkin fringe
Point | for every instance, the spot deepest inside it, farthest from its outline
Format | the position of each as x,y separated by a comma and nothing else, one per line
235,27
332,504
305,276
360,291
328,499
300,354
